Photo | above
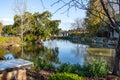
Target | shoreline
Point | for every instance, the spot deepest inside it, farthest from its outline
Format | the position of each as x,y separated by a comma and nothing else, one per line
7,45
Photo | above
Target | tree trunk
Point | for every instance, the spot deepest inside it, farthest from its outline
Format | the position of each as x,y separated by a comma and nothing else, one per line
116,70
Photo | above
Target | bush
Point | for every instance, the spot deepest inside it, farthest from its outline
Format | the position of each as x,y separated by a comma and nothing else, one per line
40,65
69,68
65,76
65,67
96,68
91,69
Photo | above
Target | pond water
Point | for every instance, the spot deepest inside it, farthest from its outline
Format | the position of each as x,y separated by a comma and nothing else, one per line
77,53
63,51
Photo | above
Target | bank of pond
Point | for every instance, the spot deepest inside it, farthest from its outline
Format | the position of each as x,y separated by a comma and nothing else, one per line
64,56
96,40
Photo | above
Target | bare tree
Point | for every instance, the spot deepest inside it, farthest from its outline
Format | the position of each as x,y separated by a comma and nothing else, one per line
20,9
77,23
110,9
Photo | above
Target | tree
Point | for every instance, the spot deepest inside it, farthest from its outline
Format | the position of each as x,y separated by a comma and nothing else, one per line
93,22
44,26
110,13
20,9
78,23
110,9
54,27
7,29
26,22
36,26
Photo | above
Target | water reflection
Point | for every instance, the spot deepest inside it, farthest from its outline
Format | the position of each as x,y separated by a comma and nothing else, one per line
76,53
79,52
40,52
61,51
106,54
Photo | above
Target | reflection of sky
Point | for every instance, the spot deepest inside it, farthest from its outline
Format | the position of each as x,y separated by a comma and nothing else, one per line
67,51
78,53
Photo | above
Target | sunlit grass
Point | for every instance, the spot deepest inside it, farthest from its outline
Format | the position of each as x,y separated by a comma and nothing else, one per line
5,40
101,51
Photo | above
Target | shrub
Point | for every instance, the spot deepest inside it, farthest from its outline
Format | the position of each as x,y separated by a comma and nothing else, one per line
96,69
69,68
65,67
40,65
65,76
93,68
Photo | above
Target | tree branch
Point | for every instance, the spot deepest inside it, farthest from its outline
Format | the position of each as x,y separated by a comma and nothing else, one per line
109,17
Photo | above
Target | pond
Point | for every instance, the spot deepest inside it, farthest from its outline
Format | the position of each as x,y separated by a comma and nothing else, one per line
77,53
63,51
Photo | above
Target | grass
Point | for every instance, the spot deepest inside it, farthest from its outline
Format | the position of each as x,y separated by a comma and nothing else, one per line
7,40
101,52
65,76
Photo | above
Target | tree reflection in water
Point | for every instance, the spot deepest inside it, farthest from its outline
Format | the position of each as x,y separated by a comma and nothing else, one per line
42,57
55,51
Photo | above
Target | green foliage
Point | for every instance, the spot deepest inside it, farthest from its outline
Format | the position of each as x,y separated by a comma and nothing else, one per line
5,40
2,52
42,57
96,68
39,64
92,69
54,25
30,38
65,76
66,67
69,68
93,19
36,25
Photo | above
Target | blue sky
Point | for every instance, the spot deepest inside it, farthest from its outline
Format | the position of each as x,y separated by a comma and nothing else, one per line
7,11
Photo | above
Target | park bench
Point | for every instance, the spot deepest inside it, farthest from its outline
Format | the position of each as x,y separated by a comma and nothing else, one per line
14,69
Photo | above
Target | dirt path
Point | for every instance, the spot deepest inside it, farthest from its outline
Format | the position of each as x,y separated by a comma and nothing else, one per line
39,75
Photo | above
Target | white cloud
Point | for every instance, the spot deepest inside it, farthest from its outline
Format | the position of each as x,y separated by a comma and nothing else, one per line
66,23
6,21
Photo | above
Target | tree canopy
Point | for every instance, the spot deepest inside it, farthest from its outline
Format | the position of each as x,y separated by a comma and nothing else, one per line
95,19
36,25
